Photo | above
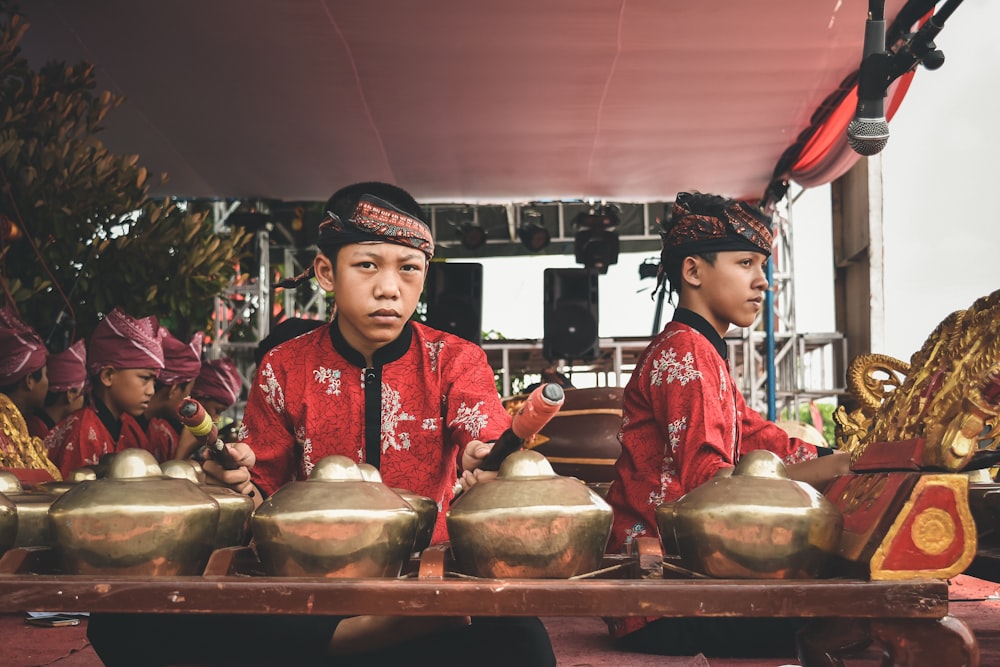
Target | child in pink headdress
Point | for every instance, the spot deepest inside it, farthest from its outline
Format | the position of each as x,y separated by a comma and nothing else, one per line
182,362
67,372
217,388
23,384
124,357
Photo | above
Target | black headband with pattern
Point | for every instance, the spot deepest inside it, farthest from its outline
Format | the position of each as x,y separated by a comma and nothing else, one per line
375,219
740,226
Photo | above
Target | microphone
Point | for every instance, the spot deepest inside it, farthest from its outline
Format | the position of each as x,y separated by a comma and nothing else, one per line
868,131
196,419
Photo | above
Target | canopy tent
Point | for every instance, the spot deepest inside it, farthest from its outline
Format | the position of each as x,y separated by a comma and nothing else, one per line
495,101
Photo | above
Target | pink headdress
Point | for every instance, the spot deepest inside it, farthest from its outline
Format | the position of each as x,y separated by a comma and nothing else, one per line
68,369
181,361
218,380
122,341
22,351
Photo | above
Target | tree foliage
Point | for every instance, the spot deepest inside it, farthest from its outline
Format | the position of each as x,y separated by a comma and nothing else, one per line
79,233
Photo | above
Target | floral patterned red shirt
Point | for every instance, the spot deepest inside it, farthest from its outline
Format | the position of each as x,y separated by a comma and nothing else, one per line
683,419
84,436
428,395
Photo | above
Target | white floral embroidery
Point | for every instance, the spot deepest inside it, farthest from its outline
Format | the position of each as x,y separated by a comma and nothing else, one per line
330,377
470,418
638,530
430,424
59,433
669,368
392,415
307,449
722,384
433,352
273,394
674,432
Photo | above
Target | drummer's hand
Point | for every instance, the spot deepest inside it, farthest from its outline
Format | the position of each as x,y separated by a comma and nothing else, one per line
474,454
470,479
239,479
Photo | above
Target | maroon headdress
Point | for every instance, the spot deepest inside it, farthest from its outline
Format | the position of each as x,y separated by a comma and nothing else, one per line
22,351
181,361
68,369
121,341
219,380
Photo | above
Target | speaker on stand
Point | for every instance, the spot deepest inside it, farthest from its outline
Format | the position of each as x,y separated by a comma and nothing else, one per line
571,315
455,299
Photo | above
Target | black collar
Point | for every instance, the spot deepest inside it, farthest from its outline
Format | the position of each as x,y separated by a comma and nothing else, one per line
113,425
701,325
384,355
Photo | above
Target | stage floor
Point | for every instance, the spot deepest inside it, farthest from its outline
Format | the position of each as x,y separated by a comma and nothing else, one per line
578,642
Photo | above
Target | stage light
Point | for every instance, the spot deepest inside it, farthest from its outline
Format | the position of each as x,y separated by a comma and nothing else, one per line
473,236
532,233
596,241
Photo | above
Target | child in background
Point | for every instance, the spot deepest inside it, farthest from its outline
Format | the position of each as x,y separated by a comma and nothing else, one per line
684,419
217,388
181,365
67,372
23,385
124,357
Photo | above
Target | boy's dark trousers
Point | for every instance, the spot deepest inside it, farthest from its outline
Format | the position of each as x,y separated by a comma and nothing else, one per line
158,640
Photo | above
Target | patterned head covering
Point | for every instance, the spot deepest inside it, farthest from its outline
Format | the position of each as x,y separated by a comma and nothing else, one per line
181,361
725,224
218,380
122,341
375,219
68,369
22,351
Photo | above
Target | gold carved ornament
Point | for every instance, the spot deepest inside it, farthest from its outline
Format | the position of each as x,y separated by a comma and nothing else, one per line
18,449
948,394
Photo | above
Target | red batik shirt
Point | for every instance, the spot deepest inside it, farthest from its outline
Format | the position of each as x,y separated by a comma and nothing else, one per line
683,419
88,434
426,397
163,437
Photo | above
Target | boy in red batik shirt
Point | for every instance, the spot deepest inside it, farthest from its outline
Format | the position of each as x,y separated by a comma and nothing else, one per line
67,379
683,418
217,387
379,388
124,357
181,365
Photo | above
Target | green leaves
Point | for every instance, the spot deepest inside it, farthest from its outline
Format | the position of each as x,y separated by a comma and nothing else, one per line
95,238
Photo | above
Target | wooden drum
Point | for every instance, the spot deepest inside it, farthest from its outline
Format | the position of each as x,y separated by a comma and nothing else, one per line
581,440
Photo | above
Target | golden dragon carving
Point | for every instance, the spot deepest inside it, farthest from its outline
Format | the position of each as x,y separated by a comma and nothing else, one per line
948,394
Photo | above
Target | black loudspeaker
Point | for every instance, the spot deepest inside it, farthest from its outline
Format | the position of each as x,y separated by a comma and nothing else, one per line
571,318
455,299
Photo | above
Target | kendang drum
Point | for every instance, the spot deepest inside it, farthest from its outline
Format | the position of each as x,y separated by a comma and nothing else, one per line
581,440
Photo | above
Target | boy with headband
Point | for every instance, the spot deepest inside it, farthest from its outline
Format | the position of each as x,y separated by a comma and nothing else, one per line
684,419
381,389
124,358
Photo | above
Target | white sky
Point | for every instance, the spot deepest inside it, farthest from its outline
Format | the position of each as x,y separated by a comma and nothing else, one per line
941,233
